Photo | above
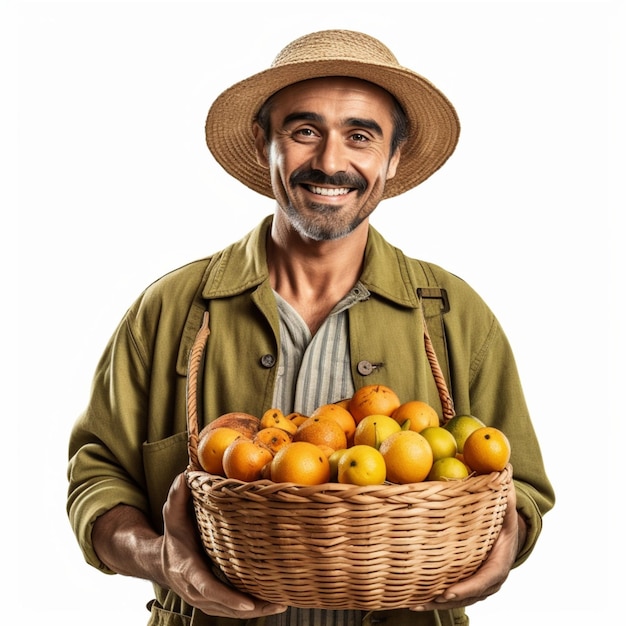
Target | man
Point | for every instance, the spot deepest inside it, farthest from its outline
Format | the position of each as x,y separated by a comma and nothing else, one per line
306,308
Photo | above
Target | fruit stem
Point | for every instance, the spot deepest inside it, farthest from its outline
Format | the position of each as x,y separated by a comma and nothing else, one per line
377,440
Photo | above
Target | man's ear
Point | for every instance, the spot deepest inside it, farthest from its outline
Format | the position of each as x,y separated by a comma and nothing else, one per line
393,163
260,145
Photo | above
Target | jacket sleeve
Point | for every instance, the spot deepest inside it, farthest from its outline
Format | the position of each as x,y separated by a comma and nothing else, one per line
486,384
130,442
499,398
105,466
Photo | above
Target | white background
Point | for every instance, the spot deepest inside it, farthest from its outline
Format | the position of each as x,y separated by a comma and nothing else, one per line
116,187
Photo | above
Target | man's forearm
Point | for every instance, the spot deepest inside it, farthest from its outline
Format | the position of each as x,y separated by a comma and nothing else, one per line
127,544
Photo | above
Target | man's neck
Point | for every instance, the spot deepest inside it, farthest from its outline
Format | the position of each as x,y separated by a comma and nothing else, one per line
313,276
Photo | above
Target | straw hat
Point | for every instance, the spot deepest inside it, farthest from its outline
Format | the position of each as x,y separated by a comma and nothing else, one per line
433,122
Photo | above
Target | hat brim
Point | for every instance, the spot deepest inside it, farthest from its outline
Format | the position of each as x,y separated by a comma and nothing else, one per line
433,122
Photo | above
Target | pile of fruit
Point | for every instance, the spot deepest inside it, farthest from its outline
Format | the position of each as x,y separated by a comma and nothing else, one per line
368,439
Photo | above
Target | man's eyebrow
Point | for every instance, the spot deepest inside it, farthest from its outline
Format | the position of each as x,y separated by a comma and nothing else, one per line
307,116
303,116
366,124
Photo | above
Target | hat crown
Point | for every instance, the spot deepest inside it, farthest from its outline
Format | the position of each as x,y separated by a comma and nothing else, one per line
335,44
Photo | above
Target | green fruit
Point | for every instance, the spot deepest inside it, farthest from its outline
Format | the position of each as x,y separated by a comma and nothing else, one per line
333,461
462,426
449,468
441,441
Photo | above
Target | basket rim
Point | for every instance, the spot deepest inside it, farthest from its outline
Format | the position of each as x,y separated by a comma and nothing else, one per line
267,487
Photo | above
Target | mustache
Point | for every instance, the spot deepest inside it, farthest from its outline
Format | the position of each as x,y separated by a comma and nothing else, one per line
317,177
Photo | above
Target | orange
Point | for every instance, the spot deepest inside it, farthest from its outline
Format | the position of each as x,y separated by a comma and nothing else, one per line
487,450
273,437
459,456
297,418
408,457
374,429
327,450
448,468
373,400
322,431
340,414
211,446
274,418
266,472
361,465
419,414
302,463
245,459
344,404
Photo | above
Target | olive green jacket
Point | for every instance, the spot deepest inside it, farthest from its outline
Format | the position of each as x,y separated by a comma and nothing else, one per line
131,441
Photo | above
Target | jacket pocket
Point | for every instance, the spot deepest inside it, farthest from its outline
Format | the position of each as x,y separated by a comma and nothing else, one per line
163,460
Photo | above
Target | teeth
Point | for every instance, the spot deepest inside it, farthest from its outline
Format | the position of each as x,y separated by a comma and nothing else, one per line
324,191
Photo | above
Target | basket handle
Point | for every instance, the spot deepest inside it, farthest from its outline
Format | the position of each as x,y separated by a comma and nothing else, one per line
195,358
444,394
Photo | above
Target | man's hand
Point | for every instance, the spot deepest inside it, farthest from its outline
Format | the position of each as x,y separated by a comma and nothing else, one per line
127,544
491,575
186,570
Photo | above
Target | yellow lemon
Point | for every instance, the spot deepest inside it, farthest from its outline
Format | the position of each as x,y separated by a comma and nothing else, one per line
361,465
374,429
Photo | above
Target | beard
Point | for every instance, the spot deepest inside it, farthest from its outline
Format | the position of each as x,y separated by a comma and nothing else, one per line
324,226
327,222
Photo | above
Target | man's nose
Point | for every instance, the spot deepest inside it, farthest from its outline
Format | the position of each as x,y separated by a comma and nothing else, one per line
331,156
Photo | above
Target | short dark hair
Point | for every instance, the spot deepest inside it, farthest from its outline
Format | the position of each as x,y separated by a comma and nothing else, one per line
398,117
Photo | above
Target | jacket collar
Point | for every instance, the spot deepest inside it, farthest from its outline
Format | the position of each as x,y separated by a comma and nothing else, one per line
243,266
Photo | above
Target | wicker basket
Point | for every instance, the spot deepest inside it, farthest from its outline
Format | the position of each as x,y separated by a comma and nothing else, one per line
336,546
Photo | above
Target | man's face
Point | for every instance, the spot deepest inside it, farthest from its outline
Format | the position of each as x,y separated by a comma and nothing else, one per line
329,153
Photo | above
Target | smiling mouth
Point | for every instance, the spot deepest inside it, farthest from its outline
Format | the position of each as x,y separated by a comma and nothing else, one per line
325,191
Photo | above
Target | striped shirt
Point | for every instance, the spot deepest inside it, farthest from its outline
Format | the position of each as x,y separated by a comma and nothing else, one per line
314,370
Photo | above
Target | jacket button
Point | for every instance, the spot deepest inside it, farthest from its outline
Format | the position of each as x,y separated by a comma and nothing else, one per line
268,360
365,368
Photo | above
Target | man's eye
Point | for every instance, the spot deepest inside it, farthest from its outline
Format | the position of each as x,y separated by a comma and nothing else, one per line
358,137
305,132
